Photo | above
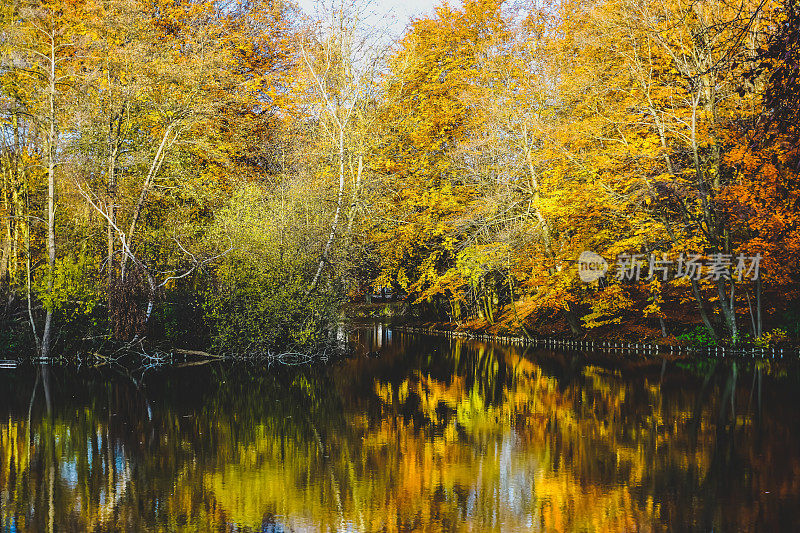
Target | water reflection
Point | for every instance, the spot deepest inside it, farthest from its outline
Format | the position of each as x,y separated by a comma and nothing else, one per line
413,433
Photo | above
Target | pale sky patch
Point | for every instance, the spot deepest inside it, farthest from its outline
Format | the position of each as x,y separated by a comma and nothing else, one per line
391,15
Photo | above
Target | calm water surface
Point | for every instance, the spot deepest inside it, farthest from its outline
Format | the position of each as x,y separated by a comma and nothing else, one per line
413,433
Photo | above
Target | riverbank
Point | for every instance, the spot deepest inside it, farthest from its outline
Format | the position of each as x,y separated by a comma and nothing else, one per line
644,349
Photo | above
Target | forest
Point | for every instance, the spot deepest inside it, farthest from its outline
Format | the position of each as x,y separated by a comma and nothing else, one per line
236,175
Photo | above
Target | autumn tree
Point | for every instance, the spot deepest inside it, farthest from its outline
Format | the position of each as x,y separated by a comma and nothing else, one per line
45,42
341,59
423,119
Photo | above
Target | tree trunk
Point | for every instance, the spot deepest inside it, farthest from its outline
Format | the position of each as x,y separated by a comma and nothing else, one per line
569,311
8,236
155,166
353,200
727,309
572,320
113,145
758,308
703,316
111,208
752,316
51,194
28,284
514,302
19,207
335,224
15,212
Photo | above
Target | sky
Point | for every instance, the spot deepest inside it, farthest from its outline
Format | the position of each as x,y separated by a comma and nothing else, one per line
392,14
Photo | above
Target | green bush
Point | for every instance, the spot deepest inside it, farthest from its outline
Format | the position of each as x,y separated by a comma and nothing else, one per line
250,307
791,322
77,289
699,336
256,298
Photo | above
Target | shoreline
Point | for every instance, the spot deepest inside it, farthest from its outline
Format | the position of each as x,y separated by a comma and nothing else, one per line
626,348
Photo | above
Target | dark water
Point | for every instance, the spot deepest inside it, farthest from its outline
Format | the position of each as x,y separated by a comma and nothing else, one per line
414,433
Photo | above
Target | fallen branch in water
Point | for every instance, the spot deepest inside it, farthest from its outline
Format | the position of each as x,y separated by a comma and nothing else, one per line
195,363
198,352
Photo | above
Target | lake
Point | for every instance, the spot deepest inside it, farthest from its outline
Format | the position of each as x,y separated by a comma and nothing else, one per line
412,432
